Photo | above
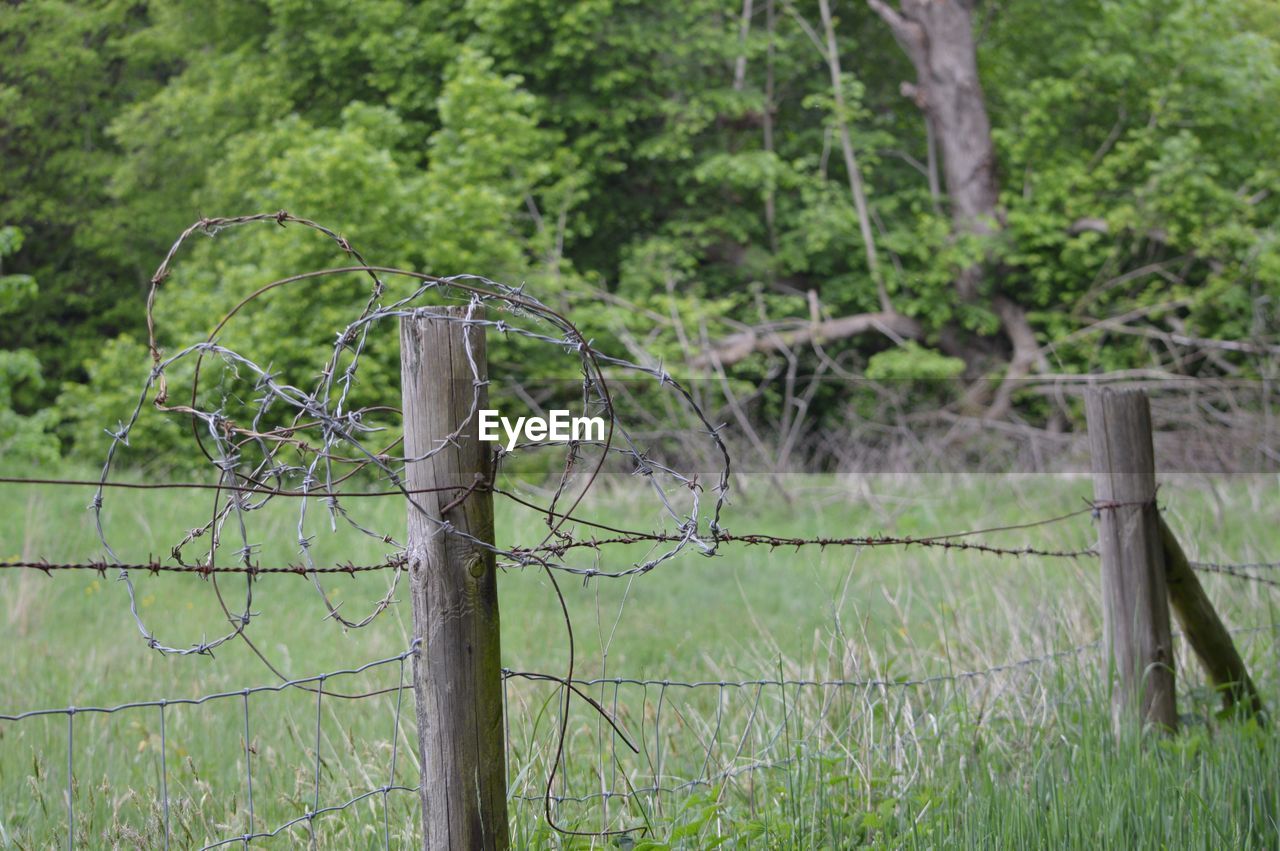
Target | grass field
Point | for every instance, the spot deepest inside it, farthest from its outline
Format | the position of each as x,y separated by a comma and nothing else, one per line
1014,757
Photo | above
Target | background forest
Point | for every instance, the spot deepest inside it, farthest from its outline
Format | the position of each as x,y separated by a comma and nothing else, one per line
929,190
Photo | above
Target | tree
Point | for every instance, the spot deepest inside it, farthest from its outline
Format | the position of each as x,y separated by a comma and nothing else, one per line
750,175
22,436
1124,147
66,72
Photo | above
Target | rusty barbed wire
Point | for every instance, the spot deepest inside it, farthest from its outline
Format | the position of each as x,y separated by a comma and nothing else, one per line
204,571
263,491
523,557
1234,572
399,561
1243,565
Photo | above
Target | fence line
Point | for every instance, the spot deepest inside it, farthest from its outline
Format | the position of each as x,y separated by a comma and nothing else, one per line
243,694
667,682
266,438
316,810
754,688
399,561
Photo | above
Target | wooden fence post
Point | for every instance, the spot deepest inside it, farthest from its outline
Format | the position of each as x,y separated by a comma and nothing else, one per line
1134,605
1206,633
457,671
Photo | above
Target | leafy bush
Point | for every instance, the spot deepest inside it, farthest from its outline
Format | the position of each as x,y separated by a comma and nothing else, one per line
22,436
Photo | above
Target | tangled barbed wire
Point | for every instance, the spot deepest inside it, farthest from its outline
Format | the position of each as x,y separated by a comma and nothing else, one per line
332,436
266,434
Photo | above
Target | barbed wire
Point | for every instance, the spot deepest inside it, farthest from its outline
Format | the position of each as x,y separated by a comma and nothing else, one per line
1234,572
399,560
102,566
560,547
225,439
1243,565
266,434
242,421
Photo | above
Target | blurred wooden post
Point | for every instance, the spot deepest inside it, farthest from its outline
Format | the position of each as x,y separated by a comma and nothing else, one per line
458,669
1134,605
1206,633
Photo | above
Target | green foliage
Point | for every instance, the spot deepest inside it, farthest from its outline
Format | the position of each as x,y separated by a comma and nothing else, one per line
1168,139
489,162
912,362
606,145
108,399
66,71
22,437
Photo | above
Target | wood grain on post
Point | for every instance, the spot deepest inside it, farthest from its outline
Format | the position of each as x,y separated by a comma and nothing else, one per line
1206,633
458,668
1134,605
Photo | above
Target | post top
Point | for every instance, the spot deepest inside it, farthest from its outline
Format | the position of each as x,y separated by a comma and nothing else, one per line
451,310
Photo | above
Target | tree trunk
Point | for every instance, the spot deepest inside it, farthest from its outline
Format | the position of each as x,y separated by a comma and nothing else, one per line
937,35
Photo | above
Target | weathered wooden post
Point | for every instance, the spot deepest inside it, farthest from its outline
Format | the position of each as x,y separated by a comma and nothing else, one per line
458,670
1206,633
1134,605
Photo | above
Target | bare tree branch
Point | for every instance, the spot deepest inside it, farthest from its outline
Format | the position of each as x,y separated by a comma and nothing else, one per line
1089,225
780,336
1026,354
1193,342
850,159
770,201
907,33
744,29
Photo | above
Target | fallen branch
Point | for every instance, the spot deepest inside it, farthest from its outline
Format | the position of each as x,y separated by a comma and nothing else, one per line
1026,354
778,336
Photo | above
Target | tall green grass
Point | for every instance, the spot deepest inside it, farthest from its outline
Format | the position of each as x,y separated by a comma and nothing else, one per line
1015,758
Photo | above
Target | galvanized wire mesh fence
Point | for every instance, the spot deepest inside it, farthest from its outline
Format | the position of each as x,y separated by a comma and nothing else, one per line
722,742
